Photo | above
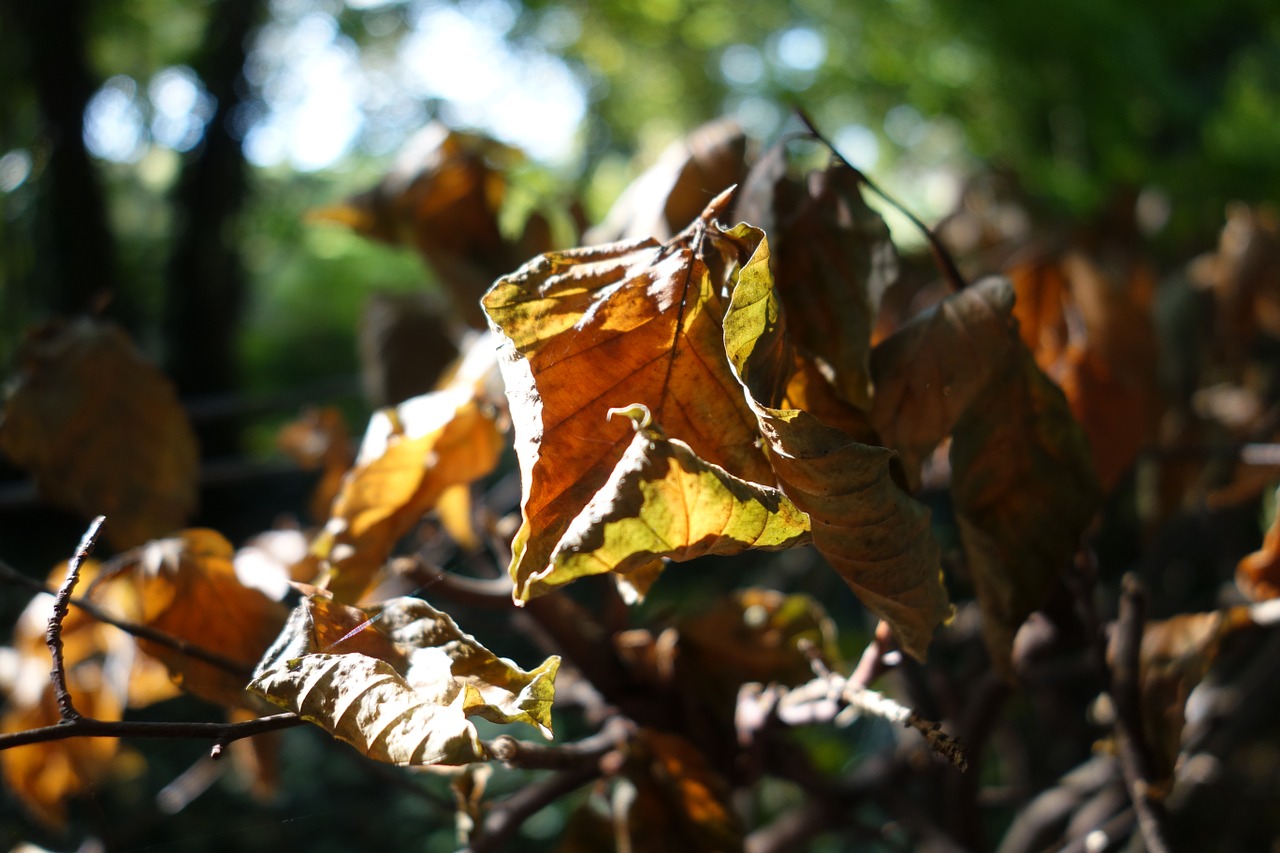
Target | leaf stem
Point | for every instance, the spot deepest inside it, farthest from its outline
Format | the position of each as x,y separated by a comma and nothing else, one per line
941,256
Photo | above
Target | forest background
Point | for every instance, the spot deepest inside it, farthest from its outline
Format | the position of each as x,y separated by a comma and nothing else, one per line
159,161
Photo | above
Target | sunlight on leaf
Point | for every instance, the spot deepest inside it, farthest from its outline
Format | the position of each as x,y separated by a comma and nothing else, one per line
662,501
610,327
411,455
102,430
187,587
399,681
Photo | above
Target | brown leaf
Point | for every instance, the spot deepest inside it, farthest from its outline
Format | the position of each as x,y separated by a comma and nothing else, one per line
102,430
671,193
755,635
1023,489
319,438
1176,655
612,327
443,197
832,262
187,587
929,372
1258,574
676,799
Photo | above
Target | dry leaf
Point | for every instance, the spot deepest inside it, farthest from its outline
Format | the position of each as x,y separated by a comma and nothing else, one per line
399,681
610,327
832,262
187,587
1023,489
102,430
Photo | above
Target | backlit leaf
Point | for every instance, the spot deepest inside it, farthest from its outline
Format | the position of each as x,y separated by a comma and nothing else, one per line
410,456
1023,489
662,501
102,430
611,327
187,587
399,681
874,534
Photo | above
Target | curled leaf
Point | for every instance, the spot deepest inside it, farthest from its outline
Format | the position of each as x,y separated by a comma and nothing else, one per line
410,456
833,261
399,681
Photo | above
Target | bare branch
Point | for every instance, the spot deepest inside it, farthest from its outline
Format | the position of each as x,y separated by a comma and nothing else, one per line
12,575
537,756
1135,757
220,733
53,634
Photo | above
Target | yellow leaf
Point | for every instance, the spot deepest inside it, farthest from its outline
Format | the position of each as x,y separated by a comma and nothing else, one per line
662,501
410,456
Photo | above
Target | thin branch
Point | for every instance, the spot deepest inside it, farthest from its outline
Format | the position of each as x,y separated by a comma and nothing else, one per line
1135,757
12,575
220,733
507,816
53,634
537,756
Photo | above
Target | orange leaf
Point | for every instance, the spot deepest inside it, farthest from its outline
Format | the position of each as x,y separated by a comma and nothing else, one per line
102,430
410,456
1258,574
611,327
187,587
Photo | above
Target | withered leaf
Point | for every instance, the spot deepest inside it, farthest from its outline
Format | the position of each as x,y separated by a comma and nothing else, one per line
410,456
610,327
672,192
874,534
187,587
399,681
928,373
444,197
663,501
102,430
1023,489
677,802
833,261
1258,574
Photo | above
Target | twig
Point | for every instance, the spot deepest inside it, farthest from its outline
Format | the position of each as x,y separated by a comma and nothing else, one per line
12,575
221,733
507,816
537,756
53,634
1135,758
